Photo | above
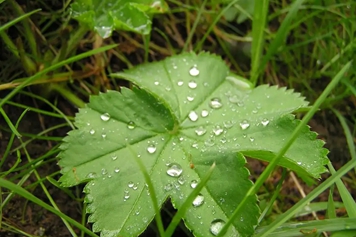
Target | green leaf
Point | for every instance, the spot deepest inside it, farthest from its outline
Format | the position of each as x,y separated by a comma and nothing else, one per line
187,113
104,16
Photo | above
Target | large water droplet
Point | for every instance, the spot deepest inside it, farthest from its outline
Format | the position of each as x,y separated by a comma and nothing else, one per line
131,125
192,85
193,116
218,130
265,122
204,113
200,131
105,117
216,226
198,201
151,148
194,71
244,124
193,184
215,103
174,170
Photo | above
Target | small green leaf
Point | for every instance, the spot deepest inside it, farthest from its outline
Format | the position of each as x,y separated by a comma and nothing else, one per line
108,15
187,113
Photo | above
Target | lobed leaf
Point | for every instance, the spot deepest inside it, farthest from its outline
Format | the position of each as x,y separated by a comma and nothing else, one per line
188,113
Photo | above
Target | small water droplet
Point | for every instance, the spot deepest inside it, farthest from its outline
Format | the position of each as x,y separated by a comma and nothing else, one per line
210,142
299,162
198,201
218,130
130,184
168,187
114,157
194,71
151,148
251,139
103,135
215,103
105,117
265,122
190,98
181,180
174,170
204,113
92,131
234,99
200,131
216,226
168,88
116,170
244,124
156,83
192,85
180,83
228,124
193,116
91,175
126,195
193,184
131,125
104,171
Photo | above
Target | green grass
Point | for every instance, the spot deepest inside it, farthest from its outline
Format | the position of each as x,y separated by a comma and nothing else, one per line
52,65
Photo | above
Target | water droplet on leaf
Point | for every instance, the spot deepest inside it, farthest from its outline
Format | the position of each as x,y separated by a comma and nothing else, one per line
131,125
180,83
130,184
265,122
216,226
218,130
194,71
244,124
105,117
92,131
198,201
192,85
215,103
193,116
151,148
200,131
204,113
193,184
174,170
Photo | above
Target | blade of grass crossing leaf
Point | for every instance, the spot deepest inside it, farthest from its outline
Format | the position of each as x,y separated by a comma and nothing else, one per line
263,177
192,31
54,67
331,213
258,27
151,190
212,25
187,203
24,193
280,35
